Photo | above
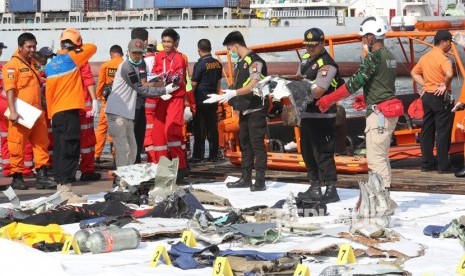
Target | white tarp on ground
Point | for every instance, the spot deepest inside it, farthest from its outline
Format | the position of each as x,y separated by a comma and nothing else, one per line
415,211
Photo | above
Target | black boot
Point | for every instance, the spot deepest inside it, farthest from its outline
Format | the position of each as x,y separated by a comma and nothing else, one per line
330,195
18,182
43,180
259,184
313,193
244,182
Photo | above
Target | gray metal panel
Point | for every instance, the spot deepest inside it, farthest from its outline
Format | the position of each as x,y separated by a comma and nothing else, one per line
54,5
139,4
24,6
167,4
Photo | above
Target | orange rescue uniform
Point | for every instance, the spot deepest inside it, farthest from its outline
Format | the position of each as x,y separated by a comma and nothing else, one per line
106,76
24,81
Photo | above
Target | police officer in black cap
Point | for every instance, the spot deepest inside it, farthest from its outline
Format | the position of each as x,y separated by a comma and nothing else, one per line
318,130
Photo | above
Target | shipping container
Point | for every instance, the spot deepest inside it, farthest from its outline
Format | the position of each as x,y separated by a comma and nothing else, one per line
84,5
140,4
115,5
168,4
54,5
17,6
244,4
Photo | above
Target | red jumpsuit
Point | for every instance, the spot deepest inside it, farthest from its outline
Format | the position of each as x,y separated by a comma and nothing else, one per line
168,138
88,140
150,104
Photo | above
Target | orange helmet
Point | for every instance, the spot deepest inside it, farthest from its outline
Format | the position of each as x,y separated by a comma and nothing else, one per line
73,35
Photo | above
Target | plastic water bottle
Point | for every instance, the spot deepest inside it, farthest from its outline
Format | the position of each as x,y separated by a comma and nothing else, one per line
111,240
82,236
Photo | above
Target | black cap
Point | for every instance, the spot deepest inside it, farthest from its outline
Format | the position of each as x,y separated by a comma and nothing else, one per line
442,35
46,52
2,46
313,36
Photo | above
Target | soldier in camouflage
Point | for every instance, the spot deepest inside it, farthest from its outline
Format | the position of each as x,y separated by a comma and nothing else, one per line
377,75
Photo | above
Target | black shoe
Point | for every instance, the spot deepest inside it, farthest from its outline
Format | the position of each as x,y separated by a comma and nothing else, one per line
460,173
449,170
18,182
330,195
244,182
313,193
90,176
97,160
182,174
212,160
43,181
195,160
428,169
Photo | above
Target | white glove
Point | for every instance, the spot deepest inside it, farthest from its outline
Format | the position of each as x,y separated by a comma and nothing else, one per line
227,95
166,97
213,98
95,108
170,88
458,106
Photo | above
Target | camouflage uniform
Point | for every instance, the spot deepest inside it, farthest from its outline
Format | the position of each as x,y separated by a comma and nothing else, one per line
377,75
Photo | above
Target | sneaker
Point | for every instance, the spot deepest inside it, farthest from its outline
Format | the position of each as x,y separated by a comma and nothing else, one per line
90,176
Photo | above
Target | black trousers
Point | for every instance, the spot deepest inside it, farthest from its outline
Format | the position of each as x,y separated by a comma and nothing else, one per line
205,125
140,124
252,130
437,126
318,143
66,148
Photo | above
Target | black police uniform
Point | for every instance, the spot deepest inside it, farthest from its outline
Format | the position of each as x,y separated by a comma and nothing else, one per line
318,130
252,124
140,122
207,73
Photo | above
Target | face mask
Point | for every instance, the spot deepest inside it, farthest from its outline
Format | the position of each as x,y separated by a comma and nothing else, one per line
42,68
134,63
234,56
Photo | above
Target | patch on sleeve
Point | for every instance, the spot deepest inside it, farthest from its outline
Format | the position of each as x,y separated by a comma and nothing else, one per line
10,73
254,68
324,70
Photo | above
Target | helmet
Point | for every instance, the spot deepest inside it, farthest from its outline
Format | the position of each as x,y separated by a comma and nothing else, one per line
374,25
73,35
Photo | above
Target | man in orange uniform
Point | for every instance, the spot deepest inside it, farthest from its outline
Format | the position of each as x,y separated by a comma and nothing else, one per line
64,101
22,81
169,115
434,72
86,119
106,76
6,168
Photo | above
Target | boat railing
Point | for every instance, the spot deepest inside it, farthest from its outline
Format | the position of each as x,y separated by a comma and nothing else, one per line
301,13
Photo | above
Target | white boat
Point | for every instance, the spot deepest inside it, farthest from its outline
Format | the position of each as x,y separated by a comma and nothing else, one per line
260,21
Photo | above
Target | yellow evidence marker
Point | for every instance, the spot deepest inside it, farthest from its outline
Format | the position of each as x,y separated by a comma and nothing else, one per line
222,267
71,241
461,267
160,252
302,270
346,255
188,238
